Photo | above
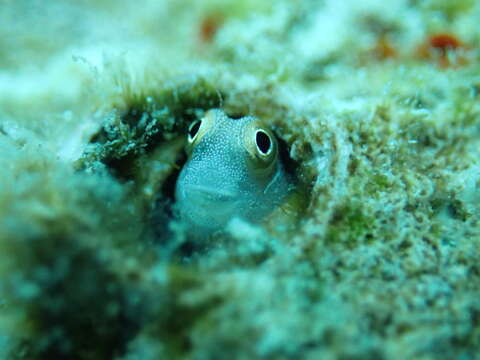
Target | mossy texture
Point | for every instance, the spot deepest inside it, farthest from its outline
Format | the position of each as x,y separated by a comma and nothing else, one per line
375,255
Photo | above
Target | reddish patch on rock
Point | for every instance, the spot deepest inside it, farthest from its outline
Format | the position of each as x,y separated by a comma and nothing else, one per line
444,42
209,27
384,49
445,49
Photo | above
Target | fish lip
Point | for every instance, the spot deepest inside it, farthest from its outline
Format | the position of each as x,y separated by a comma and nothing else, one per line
209,193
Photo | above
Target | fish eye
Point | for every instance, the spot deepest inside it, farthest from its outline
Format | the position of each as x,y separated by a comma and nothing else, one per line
261,145
263,142
200,127
193,130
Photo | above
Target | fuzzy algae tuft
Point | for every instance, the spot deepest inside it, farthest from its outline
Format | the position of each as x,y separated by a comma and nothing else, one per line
376,255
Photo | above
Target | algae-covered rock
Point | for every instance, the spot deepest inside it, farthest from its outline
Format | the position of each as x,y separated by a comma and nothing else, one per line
374,254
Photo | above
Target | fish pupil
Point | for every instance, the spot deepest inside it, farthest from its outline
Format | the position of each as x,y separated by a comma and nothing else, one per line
194,129
263,142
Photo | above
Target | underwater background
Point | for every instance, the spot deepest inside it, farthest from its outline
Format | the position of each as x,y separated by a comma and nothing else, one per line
377,107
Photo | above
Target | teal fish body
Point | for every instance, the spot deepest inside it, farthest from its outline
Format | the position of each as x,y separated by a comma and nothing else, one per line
233,170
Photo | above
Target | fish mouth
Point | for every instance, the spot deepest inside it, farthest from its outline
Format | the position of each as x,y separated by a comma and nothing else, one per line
207,207
205,193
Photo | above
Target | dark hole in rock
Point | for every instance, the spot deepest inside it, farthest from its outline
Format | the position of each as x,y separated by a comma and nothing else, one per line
291,166
163,210
123,168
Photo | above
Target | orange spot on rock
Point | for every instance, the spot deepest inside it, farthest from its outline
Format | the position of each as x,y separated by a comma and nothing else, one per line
209,27
384,49
443,48
444,42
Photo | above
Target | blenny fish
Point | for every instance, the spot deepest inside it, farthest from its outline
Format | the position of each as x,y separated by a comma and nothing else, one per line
233,170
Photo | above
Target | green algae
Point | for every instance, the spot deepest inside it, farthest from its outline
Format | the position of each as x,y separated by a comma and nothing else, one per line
138,122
